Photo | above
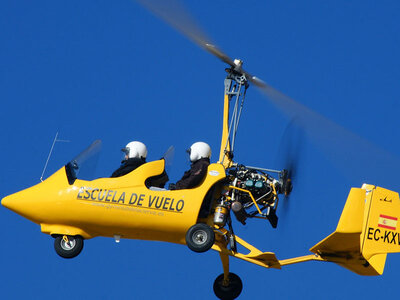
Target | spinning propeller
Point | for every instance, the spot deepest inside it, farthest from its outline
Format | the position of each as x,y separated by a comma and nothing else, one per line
289,154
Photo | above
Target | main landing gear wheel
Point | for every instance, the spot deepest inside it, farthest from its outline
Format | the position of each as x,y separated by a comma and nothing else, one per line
68,246
230,291
200,237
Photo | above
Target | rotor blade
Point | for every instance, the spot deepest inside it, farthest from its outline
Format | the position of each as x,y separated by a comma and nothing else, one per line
356,157
174,13
362,159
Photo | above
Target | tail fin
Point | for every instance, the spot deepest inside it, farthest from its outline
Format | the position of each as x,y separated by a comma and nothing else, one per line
381,233
366,232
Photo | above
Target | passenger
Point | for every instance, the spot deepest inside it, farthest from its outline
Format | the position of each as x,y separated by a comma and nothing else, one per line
200,154
135,156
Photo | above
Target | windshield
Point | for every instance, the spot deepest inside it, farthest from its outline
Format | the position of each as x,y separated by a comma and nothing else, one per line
84,164
169,158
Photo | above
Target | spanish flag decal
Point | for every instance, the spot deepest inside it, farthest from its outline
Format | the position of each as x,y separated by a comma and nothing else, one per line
387,222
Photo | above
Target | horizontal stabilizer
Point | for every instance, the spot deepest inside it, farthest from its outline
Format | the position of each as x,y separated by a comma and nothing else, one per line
344,249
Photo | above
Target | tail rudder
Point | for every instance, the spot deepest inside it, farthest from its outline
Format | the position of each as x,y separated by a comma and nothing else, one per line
381,231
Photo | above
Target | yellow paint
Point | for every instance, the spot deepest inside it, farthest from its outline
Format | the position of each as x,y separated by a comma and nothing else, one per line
368,228
114,206
255,256
225,143
360,243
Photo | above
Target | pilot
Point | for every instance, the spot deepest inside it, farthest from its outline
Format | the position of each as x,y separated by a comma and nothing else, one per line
135,156
199,154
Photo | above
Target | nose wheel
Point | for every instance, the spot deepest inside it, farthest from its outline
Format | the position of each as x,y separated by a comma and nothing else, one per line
68,246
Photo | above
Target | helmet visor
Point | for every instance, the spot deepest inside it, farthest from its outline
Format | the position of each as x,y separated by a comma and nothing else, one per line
125,153
188,151
125,150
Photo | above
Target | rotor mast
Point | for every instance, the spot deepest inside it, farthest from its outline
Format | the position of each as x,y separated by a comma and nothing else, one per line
236,85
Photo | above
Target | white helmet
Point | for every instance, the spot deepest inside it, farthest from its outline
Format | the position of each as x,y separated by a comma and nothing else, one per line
135,149
199,150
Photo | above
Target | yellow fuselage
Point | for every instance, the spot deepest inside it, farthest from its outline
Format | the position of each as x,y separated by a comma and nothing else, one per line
121,206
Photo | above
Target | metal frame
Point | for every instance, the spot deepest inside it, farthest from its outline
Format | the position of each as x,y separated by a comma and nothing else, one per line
235,86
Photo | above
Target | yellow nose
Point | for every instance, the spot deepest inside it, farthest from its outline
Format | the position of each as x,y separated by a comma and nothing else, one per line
22,203
12,203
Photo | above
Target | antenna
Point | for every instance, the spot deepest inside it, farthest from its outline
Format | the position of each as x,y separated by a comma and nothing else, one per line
51,151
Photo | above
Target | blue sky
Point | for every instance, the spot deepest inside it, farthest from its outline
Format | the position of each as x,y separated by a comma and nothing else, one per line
110,70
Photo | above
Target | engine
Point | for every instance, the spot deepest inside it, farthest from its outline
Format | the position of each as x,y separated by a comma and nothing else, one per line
251,192
259,186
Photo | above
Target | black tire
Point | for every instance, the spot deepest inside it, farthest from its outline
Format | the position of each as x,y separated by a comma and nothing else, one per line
70,249
231,291
200,237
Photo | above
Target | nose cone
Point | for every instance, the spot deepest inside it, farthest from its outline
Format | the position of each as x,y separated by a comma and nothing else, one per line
21,203
8,201
14,203
39,202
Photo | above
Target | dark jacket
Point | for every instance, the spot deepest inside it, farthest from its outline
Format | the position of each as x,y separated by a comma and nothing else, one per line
128,166
193,177
158,180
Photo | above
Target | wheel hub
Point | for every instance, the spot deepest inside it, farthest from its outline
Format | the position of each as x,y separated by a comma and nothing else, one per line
69,244
199,237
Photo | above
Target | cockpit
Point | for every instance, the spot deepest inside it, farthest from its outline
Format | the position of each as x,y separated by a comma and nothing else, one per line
83,166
